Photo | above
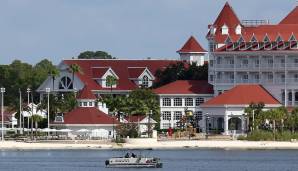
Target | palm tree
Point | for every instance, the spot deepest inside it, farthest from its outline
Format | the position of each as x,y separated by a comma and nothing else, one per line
36,119
111,81
74,68
53,73
292,119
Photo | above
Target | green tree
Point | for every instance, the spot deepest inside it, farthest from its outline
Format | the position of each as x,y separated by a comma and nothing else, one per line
254,116
53,73
181,71
292,120
74,68
95,55
111,81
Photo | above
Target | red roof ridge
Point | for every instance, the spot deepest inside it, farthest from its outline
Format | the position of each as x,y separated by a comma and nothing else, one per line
243,94
186,87
191,45
291,18
86,93
227,16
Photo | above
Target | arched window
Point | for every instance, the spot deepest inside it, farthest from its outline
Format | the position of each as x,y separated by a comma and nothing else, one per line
65,83
145,81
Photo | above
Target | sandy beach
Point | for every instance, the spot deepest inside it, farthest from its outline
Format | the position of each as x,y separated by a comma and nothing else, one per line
148,144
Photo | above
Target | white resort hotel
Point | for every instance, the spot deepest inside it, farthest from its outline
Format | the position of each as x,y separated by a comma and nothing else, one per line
248,61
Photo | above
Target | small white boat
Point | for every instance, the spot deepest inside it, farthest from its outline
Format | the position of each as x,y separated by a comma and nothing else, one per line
134,162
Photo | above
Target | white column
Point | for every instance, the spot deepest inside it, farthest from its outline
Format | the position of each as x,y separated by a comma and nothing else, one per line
293,97
204,123
226,125
243,125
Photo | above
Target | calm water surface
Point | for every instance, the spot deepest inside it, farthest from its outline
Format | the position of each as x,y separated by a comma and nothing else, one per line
174,160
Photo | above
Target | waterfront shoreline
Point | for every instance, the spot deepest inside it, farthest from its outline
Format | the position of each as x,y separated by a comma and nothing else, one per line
151,144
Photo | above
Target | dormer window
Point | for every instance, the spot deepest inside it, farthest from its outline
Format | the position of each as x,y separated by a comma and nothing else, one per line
145,81
224,30
65,83
293,42
238,30
111,81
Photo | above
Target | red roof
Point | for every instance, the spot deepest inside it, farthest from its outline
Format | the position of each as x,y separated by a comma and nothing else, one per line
291,18
99,72
87,115
191,45
186,87
120,67
243,95
135,72
227,17
287,27
135,118
7,114
86,93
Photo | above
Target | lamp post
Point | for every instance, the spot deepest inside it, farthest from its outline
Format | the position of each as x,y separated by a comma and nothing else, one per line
2,108
48,90
207,126
28,101
20,119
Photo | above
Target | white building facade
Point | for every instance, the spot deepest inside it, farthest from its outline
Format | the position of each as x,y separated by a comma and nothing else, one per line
254,52
178,97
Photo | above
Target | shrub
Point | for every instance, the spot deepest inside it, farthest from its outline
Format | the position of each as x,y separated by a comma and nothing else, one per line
241,137
260,135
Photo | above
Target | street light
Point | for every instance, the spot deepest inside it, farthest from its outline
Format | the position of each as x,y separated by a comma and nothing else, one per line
48,90
207,126
2,108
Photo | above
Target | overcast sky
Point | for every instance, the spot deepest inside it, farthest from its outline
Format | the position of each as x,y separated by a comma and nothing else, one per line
31,30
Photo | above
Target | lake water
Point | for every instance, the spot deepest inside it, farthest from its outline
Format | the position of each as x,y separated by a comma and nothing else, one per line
173,160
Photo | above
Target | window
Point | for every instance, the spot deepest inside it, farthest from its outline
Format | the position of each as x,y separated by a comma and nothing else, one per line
85,103
218,60
177,115
188,102
231,61
211,63
211,77
90,104
270,77
257,62
81,104
270,62
296,61
166,125
177,102
198,115
199,101
245,62
65,83
166,102
166,115
145,81
296,77
257,76
110,132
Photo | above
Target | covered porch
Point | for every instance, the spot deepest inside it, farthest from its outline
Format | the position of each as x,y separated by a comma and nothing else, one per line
224,124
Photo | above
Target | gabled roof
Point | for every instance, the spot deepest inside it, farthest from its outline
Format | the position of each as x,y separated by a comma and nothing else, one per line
243,95
291,18
227,17
87,115
185,87
191,45
7,114
120,67
86,93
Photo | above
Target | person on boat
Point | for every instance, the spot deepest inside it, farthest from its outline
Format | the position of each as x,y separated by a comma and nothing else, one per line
126,155
133,155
